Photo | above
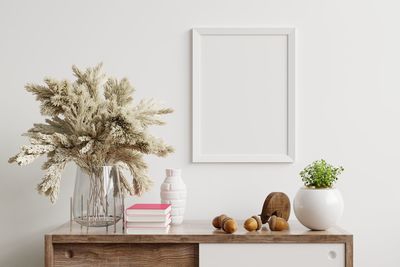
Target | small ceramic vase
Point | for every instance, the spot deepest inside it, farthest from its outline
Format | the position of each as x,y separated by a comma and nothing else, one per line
173,191
318,209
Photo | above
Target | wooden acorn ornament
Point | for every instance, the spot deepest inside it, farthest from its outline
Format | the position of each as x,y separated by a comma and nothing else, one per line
253,224
229,225
217,221
277,223
276,203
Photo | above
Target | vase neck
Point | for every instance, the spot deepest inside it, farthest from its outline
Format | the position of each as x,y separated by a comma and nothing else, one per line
173,172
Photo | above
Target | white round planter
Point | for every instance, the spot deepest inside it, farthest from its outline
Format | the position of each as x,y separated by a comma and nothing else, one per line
318,209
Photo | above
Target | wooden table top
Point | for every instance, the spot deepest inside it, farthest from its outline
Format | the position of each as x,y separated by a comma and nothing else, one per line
198,232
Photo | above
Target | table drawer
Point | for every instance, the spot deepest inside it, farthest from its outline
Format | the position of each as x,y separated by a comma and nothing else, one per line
125,254
282,255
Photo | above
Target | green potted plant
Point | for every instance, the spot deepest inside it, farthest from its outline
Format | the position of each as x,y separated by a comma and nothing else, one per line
319,205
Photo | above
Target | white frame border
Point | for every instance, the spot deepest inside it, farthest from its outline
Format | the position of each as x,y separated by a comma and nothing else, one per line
197,156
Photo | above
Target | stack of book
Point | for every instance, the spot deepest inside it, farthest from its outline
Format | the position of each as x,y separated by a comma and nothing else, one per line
148,219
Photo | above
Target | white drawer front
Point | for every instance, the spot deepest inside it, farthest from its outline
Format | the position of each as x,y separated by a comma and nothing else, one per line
282,255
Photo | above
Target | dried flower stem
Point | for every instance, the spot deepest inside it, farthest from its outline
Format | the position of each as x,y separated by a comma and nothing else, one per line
91,130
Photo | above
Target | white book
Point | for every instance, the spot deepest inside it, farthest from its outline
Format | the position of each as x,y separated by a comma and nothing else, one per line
150,231
148,224
147,218
148,209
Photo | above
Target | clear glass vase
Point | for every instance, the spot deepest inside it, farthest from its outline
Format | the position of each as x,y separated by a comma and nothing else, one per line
97,199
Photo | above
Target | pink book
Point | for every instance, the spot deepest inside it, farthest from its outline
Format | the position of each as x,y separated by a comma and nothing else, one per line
148,209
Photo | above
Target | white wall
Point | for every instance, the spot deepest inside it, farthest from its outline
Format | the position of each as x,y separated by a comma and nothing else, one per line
347,105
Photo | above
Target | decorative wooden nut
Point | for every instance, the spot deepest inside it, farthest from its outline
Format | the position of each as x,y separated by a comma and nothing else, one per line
259,223
250,224
229,225
276,203
277,223
253,224
217,221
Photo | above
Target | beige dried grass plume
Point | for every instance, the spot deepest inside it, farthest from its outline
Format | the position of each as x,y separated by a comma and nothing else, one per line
92,130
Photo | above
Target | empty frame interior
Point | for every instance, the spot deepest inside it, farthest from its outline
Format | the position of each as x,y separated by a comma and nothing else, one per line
243,95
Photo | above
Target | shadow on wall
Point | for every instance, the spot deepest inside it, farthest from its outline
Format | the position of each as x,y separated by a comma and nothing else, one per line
26,215
24,251
188,39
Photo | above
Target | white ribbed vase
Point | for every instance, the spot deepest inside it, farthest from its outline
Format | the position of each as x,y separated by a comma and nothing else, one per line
173,191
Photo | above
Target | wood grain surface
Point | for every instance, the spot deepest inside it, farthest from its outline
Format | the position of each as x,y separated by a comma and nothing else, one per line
349,252
200,232
126,255
48,251
180,245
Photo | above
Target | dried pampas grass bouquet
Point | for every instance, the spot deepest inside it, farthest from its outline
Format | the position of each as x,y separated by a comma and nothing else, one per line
92,121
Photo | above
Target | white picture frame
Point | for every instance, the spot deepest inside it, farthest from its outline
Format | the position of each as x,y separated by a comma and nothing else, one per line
243,94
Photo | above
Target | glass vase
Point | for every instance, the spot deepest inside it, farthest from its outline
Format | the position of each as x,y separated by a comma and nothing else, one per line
97,199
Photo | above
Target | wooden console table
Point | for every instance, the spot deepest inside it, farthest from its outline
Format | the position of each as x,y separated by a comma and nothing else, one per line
196,243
